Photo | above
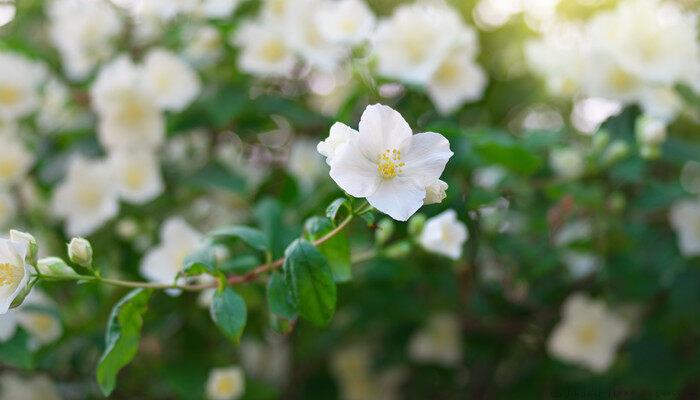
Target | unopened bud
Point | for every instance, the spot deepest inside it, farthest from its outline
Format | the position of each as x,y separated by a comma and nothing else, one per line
80,252
616,152
398,250
435,193
416,224
54,266
30,241
385,228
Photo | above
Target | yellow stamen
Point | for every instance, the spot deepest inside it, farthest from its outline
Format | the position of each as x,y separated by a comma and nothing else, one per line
389,164
9,95
588,335
10,274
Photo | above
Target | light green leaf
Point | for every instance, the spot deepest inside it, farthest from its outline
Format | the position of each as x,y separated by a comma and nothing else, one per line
250,236
228,310
336,249
335,207
310,281
123,336
278,297
202,261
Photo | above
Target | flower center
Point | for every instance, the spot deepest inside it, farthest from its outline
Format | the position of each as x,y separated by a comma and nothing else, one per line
389,163
8,168
9,95
273,51
134,178
9,274
225,386
588,335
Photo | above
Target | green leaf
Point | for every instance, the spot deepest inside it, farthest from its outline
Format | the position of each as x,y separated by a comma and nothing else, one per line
508,154
336,249
122,339
278,297
228,310
250,236
16,352
310,281
336,206
202,261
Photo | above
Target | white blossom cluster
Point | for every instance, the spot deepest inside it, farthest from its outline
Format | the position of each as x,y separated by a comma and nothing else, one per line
130,101
422,44
633,54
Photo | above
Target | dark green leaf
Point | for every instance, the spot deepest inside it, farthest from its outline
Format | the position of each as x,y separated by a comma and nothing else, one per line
122,339
336,249
16,351
250,236
335,207
228,310
310,281
278,297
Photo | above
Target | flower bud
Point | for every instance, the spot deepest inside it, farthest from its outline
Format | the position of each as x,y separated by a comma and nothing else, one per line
54,266
616,152
416,224
385,228
30,241
80,252
398,250
435,193
650,131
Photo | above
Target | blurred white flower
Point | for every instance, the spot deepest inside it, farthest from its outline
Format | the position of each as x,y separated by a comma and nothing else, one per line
389,165
690,177
172,82
204,45
15,159
83,32
357,380
267,360
54,113
413,42
588,334
444,234
129,115
38,316
87,197
7,12
662,102
305,163
488,177
330,90
14,272
20,79
303,36
137,175
218,9
457,80
347,22
685,220
264,48
567,163
177,240
226,383
339,135
435,193
650,130
37,387
440,341
581,263
8,208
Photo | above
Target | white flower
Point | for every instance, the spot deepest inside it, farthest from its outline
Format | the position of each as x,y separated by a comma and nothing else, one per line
444,234
218,9
204,45
457,80
18,387
303,36
435,193
588,334
177,240
581,263
345,21
685,220
226,383
389,165
172,83
137,175
339,135
20,79
439,342
264,49
15,159
87,197
567,163
83,32
412,43
37,316
129,115
14,272
8,208
650,131
663,102
305,163
358,380
268,360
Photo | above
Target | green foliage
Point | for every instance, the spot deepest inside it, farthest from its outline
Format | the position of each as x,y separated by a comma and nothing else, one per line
336,249
310,282
122,338
229,312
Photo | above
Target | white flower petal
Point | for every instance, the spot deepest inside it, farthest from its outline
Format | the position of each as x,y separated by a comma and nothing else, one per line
426,157
398,197
354,172
381,129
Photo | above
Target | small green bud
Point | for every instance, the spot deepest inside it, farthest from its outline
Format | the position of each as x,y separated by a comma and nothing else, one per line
19,299
32,246
385,228
617,202
80,252
615,152
650,151
54,266
398,250
600,140
416,224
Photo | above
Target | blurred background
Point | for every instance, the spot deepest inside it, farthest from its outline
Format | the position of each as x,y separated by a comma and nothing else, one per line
144,124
